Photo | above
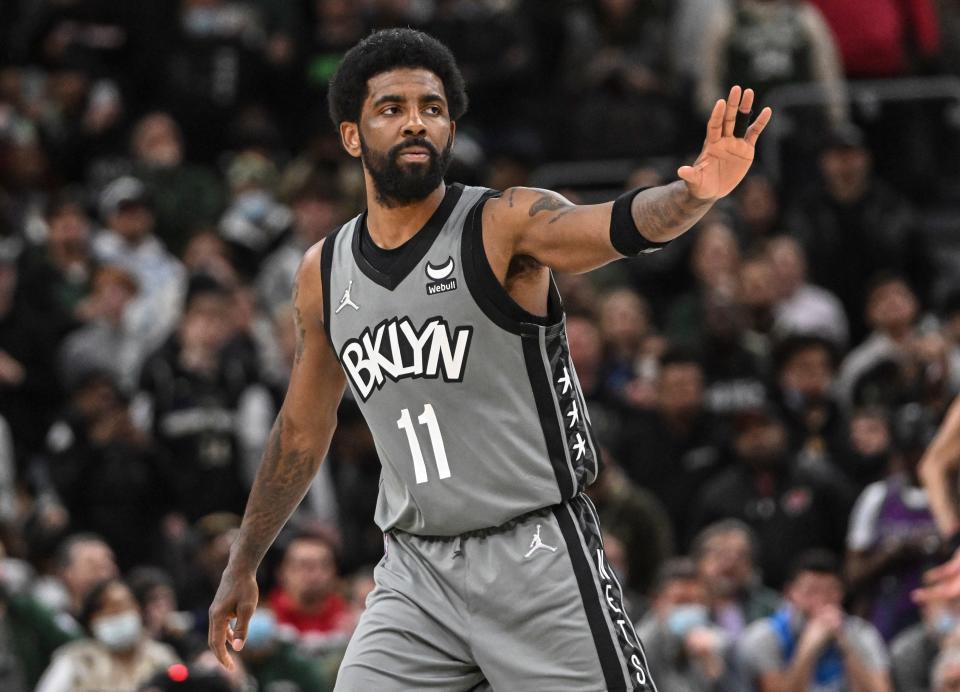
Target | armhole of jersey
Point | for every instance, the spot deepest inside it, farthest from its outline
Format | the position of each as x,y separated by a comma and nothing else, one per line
326,265
487,290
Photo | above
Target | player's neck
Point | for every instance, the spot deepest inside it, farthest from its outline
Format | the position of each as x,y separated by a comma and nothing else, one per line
392,226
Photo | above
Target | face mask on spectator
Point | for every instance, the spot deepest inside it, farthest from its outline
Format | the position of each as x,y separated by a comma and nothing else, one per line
684,618
946,623
261,630
118,632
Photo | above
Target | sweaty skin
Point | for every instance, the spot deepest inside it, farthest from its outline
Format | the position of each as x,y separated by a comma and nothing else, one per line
526,233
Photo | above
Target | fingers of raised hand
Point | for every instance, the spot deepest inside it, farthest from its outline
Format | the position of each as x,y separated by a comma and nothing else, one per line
730,116
715,123
753,132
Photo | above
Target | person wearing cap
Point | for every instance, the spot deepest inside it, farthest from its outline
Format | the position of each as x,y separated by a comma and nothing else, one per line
128,240
853,225
789,507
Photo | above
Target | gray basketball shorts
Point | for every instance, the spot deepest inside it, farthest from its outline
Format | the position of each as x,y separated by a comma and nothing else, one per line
529,608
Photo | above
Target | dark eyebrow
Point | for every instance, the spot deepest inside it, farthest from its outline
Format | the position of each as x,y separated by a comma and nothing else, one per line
432,97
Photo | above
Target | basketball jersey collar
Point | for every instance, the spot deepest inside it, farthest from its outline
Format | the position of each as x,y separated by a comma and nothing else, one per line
412,251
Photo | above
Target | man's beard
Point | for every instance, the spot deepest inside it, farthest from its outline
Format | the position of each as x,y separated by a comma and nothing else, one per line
398,185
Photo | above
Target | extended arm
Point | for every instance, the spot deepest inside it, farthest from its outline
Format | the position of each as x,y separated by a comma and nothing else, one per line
571,238
298,443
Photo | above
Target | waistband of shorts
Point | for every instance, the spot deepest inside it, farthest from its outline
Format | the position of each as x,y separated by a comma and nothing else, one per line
483,533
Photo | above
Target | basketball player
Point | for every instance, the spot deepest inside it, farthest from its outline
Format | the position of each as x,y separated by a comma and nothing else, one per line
437,307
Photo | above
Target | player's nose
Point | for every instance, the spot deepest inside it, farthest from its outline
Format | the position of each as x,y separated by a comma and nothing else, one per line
414,127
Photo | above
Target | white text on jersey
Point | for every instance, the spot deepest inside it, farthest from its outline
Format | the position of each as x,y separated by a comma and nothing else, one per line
395,350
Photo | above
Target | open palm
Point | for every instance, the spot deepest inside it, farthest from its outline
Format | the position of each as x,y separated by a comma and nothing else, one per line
725,158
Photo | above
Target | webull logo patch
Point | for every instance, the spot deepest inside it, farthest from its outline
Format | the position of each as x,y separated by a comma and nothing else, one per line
440,281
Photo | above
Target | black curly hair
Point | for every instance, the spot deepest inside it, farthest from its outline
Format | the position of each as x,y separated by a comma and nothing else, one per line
388,50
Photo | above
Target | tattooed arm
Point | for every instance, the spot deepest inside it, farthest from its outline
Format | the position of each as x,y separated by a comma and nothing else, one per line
571,238
298,443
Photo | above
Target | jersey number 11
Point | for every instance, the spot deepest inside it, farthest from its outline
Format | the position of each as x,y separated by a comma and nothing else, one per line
429,419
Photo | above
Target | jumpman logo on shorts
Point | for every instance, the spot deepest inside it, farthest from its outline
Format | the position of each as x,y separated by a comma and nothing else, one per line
537,543
345,301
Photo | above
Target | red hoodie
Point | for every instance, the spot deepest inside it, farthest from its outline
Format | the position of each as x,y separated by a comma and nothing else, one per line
332,615
873,35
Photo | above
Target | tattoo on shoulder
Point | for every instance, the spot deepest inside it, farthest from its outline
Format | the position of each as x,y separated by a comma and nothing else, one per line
513,191
547,203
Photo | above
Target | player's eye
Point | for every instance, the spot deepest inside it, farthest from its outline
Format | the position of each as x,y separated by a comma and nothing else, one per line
390,110
433,110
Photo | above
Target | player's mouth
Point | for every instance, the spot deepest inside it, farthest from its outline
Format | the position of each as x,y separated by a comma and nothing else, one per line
415,155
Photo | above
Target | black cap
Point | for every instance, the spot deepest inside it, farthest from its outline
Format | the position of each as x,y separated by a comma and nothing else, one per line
755,415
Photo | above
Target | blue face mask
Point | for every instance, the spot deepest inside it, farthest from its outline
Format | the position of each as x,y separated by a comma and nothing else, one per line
684,618
946,623
262,630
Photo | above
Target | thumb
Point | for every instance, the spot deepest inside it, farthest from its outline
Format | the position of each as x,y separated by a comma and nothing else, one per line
244,613
689,174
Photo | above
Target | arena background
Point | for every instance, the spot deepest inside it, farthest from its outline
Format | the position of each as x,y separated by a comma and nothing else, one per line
163,166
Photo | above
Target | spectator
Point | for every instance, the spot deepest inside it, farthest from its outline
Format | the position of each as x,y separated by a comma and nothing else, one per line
107,473
82,561
306,596
274,662
675,448
870,448
757,210
726,557
624,321
715,263
117,655
28,390
686,651
57,276
758,293
914,652
193,400
811,644
803,308
316,212
806,368
186,196
614,55
254,220
872,373
162,622
129,241
198,562
105,344
790,508
638,520
768,43
900,36
892,540
29,634
853,225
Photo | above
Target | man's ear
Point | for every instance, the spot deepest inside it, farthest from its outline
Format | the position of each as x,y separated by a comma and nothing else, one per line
350,138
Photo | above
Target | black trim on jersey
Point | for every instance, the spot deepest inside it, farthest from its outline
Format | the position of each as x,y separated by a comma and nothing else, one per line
412,251
487,291
326,265
553,433
608,649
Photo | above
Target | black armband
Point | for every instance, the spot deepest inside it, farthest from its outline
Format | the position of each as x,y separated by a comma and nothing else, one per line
624,234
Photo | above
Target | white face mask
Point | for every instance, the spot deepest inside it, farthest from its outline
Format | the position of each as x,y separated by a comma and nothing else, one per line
119,632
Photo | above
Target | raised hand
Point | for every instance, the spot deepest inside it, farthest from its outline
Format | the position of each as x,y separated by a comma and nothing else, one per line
725,158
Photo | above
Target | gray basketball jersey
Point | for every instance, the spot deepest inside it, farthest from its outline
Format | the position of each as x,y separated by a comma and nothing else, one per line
473,402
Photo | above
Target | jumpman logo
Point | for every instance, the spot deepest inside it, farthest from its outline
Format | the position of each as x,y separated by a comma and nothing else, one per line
537,543
345,301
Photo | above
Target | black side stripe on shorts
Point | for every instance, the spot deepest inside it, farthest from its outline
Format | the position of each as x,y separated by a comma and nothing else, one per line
607,646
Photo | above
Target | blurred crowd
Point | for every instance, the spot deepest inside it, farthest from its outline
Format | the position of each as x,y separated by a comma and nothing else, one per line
763,388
